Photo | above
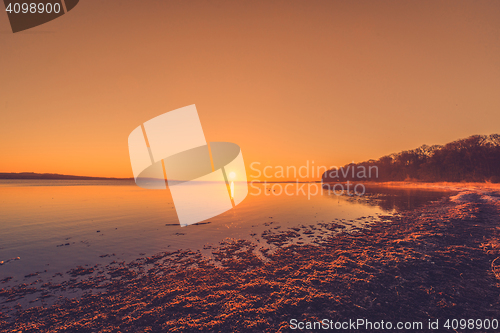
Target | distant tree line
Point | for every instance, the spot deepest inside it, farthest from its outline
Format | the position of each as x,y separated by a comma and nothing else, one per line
475,159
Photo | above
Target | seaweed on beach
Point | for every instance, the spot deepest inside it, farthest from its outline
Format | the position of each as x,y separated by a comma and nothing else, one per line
431,262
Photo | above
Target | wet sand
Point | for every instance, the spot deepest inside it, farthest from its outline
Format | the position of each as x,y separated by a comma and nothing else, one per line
431,262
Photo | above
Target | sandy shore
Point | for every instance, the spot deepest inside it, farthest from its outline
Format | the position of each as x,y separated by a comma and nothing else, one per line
440,185
433,262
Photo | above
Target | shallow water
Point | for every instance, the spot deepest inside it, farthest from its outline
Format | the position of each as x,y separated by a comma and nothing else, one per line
54,226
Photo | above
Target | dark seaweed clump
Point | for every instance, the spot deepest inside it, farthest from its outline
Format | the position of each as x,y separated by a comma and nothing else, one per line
432,262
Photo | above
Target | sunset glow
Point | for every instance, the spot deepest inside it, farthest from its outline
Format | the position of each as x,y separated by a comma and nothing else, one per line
332,82
249,166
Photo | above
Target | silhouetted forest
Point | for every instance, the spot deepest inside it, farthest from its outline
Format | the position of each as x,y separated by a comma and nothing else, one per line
474,159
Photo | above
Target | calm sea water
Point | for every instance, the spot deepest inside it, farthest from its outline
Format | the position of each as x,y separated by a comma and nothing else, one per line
54,226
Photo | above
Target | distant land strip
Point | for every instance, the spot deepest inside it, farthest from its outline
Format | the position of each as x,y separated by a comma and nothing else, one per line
53,176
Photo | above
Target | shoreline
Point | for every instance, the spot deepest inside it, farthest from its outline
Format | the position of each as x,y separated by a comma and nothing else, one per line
453,186
430,262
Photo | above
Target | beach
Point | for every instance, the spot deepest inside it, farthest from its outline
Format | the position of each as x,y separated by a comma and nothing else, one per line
432,262
249,166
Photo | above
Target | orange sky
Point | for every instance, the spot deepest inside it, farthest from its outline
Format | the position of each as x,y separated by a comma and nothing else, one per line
288,81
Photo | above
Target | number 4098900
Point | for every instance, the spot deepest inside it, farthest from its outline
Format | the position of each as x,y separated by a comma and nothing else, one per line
33,8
